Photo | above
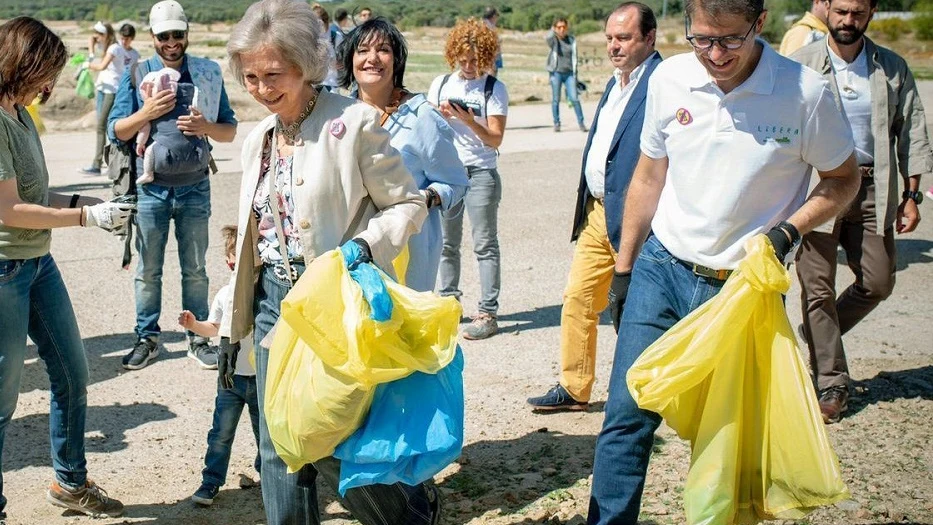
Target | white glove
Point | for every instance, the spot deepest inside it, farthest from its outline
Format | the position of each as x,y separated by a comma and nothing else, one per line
108,216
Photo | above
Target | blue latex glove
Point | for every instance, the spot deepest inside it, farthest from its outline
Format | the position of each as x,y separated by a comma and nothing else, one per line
371,283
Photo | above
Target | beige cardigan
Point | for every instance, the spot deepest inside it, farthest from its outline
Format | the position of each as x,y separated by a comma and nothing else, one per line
347,182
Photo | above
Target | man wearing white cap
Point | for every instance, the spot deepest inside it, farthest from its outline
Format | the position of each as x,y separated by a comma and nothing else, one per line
198,109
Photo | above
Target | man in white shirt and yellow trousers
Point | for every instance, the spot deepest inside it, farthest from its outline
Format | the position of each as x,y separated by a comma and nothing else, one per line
608,161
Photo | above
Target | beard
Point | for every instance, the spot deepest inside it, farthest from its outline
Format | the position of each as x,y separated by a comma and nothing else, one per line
846,35
174,56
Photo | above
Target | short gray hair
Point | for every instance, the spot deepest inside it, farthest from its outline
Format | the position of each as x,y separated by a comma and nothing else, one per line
291,26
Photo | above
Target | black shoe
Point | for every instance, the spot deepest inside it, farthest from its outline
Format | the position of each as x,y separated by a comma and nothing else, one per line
556,399
205,494
203,353
143,351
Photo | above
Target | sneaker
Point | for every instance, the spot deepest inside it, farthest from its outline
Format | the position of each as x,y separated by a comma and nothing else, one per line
205,494
930,192
484,325
556,399
203,353
90,170
143,351
89,499
834,401
434,501
556,128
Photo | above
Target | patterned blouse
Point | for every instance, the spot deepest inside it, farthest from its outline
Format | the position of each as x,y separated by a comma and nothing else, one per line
269,250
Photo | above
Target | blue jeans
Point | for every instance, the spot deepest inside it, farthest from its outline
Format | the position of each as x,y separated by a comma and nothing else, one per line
482,205
34,302
291,499
662,292
569,81
228,406
190,207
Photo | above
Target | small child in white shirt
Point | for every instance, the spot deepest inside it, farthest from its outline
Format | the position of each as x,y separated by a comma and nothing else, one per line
228,405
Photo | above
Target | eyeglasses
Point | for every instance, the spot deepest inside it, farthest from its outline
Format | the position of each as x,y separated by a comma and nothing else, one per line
177,35
704,43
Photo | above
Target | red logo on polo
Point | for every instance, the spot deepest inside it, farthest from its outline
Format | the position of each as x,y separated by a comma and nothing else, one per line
683,116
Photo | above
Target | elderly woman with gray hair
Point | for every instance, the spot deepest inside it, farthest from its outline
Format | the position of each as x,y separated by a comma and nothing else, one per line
317,173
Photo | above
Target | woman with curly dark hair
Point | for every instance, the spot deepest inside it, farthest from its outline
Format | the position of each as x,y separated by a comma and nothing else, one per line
476,105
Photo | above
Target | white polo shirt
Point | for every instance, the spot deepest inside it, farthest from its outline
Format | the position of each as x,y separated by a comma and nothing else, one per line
738,162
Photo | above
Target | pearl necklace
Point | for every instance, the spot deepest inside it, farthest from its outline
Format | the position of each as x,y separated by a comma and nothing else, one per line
290,132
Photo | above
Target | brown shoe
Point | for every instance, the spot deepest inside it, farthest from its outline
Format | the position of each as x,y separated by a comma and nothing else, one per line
834,401
89,499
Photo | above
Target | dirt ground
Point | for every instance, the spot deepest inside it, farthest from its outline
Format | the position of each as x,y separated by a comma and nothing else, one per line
146,430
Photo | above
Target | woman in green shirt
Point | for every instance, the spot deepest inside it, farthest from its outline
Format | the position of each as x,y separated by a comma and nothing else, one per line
33,297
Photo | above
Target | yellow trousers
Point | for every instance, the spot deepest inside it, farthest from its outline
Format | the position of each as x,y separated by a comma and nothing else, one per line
585,297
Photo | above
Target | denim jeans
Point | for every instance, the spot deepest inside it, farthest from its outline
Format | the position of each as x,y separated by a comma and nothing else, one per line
662,292
34,302
291,499
104,103
228,406
569,81
190,207
482,205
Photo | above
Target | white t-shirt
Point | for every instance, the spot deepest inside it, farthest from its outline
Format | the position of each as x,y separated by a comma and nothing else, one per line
739,163
243,368
605,130
472,150
855,93
109,79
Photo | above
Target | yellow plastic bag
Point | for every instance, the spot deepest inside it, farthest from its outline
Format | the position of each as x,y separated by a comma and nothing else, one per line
33,110
327,356
730,379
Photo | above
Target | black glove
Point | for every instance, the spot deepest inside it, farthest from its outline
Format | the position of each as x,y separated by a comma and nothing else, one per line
784,236
366,253
618,291
226,362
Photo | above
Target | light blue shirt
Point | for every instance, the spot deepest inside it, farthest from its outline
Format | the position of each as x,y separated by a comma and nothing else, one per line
426,143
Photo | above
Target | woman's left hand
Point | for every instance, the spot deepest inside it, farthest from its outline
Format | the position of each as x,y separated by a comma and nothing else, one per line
193,124
452,111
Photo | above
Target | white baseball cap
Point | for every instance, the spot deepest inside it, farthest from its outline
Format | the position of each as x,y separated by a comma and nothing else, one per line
99,27
167,15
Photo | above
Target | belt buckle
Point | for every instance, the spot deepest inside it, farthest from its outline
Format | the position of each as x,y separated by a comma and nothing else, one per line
867,171
703,271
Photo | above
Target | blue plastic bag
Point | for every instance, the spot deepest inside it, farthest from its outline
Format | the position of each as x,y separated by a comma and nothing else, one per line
366,275
414,429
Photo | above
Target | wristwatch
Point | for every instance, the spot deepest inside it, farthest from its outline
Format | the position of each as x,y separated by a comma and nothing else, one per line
916,196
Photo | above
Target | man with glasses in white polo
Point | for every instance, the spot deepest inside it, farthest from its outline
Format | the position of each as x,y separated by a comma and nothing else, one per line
181,190
730,134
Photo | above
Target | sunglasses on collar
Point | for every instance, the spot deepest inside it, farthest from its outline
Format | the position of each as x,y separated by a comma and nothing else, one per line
176,35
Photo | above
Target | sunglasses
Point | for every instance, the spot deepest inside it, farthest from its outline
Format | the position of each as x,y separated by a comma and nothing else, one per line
176,35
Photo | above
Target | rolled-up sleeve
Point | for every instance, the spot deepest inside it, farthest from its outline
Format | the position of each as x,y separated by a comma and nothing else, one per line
392,189
125,103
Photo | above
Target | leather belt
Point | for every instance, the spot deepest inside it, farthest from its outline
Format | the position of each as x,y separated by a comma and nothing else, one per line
706,271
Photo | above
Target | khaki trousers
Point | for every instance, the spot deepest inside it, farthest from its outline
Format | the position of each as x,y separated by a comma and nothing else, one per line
586,296
871,257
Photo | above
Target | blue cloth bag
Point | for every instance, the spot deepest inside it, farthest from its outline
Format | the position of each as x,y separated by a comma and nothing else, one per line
414,429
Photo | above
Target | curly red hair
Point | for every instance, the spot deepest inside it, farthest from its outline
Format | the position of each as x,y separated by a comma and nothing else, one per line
472,35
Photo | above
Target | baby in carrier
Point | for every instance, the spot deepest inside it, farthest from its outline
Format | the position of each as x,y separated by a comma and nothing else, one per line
160,144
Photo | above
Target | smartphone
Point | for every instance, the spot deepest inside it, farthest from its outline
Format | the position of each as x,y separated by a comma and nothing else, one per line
459,103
